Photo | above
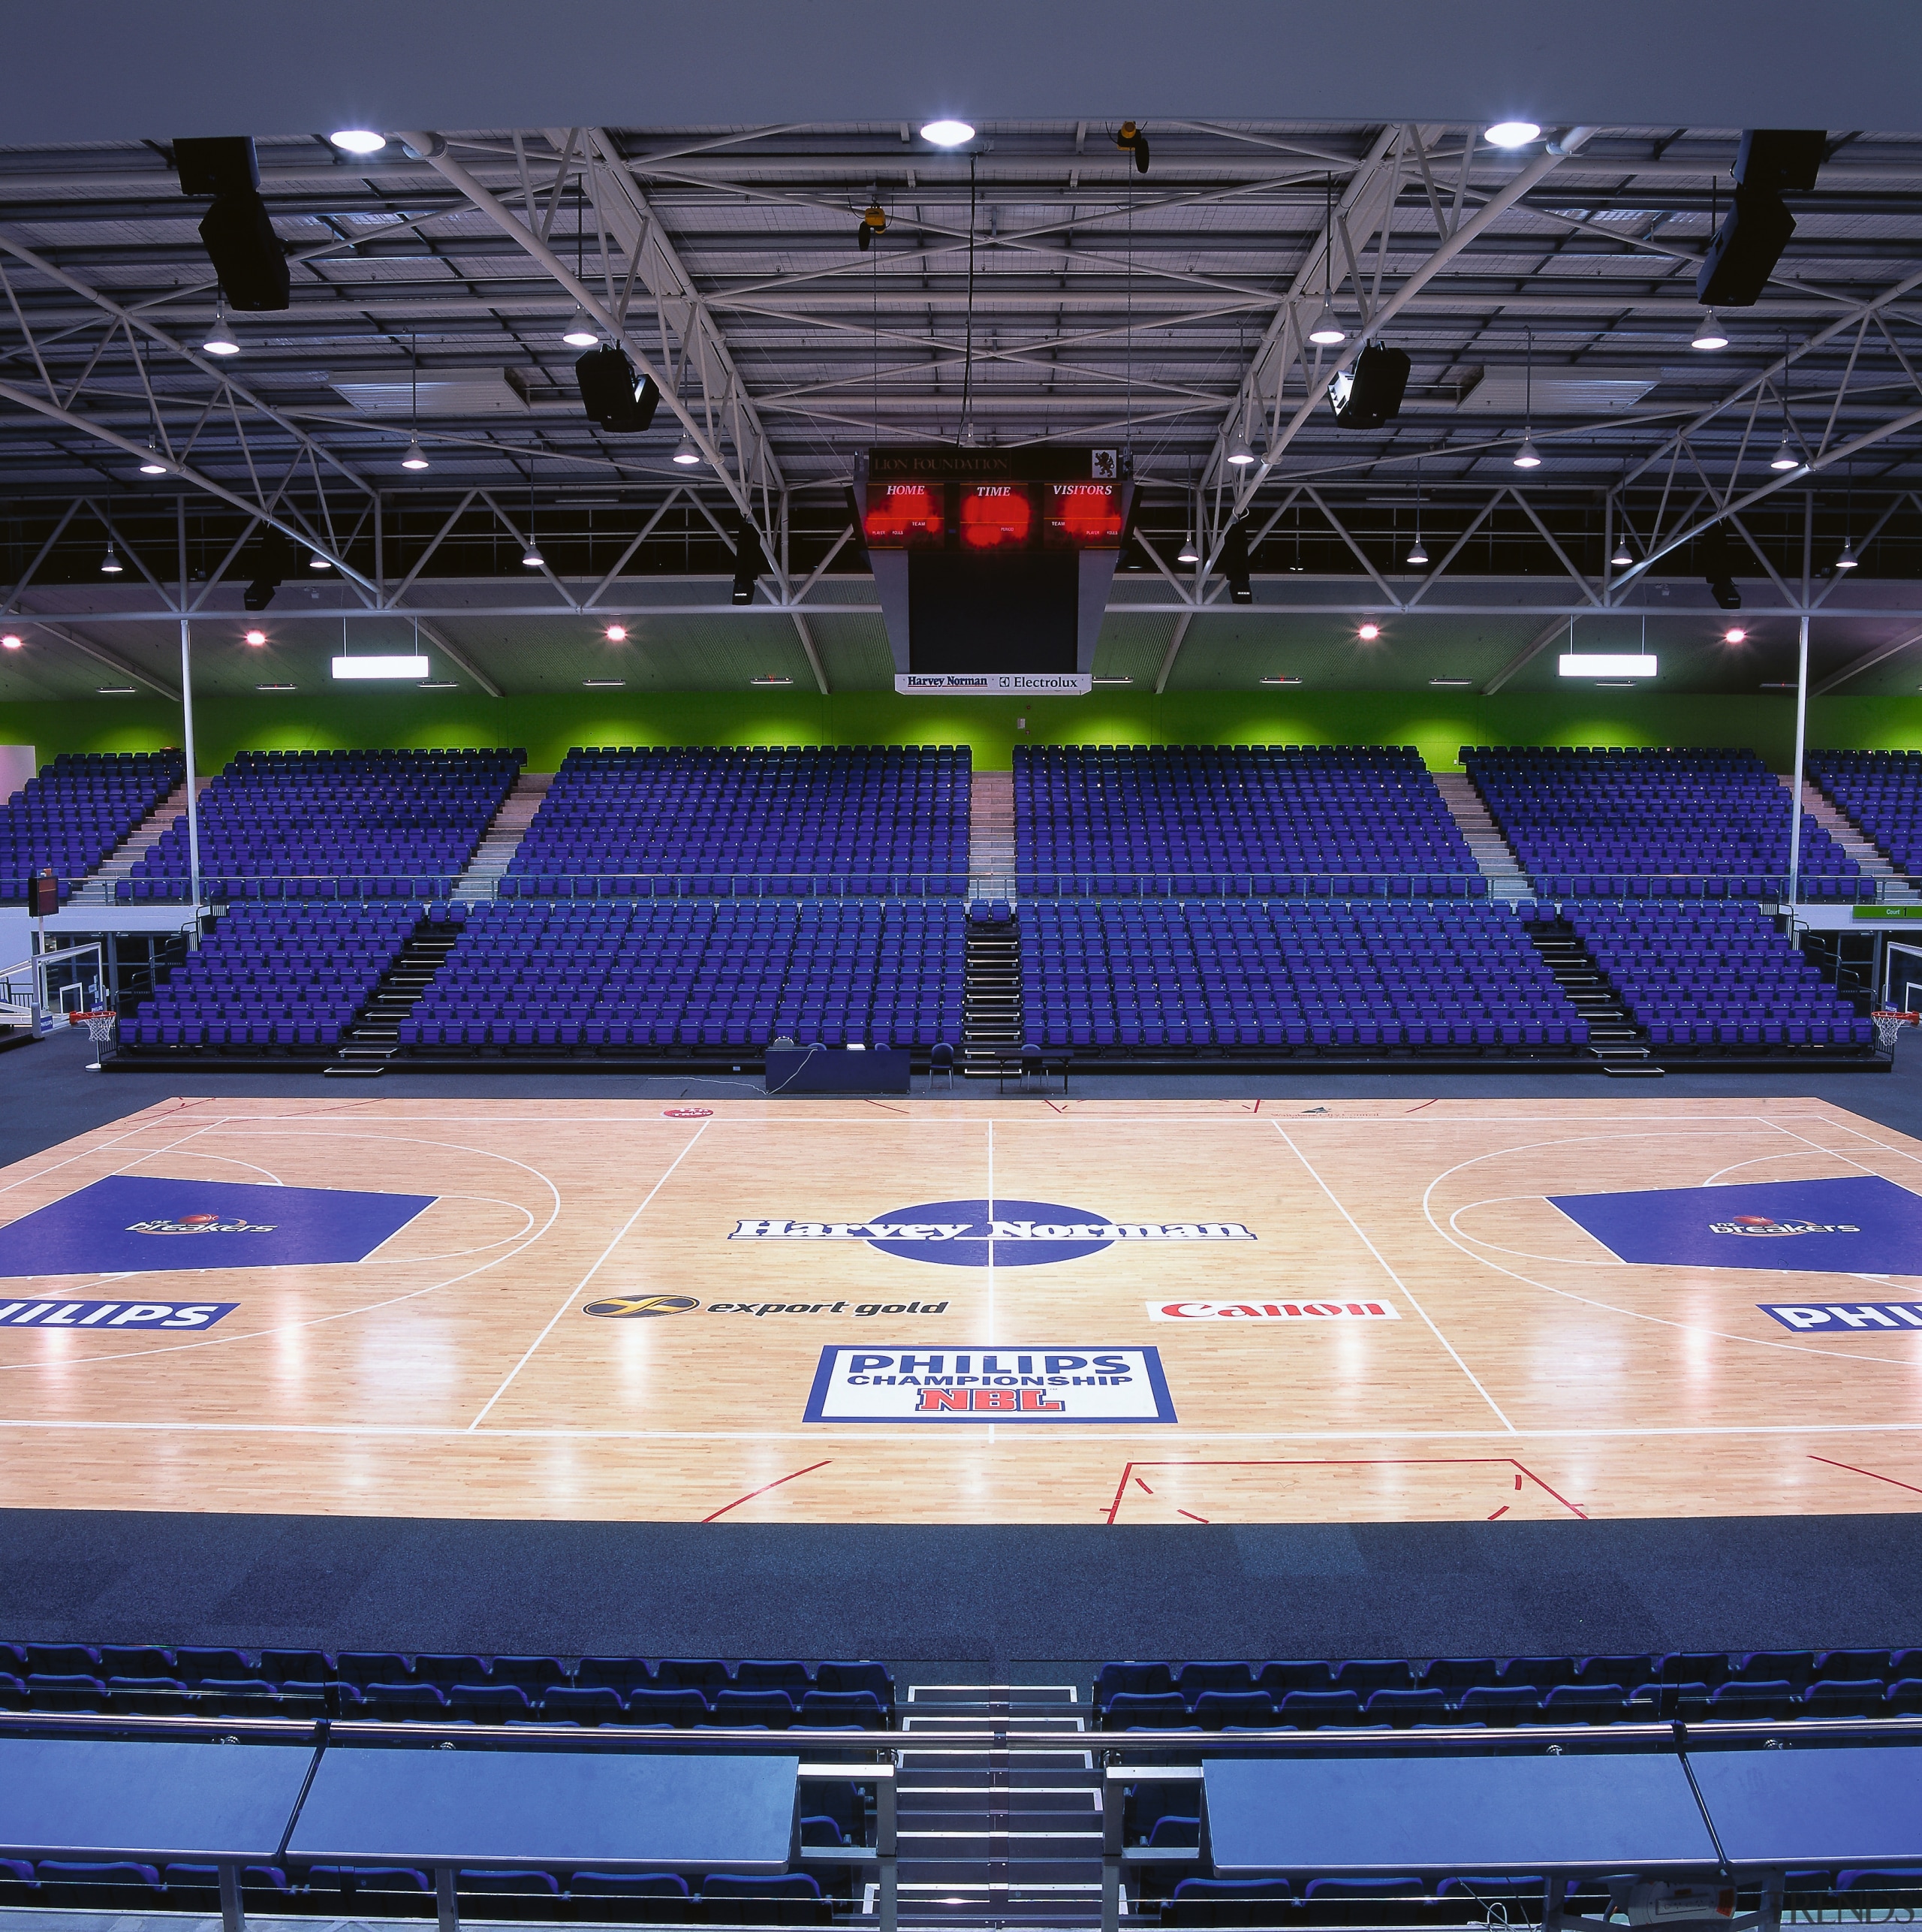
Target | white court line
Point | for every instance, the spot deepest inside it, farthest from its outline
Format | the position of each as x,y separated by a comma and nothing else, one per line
1394,1277
990,1243
582,1284
1177,1438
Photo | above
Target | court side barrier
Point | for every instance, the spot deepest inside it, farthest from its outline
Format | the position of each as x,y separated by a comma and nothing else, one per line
1124,1758
312,1797
879,880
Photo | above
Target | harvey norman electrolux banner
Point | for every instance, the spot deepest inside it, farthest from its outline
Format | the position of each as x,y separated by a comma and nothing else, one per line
995,684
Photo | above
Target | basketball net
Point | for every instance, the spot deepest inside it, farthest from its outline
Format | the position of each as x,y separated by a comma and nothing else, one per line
1889,1024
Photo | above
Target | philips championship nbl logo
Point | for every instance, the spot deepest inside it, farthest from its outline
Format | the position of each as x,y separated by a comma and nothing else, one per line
999,1233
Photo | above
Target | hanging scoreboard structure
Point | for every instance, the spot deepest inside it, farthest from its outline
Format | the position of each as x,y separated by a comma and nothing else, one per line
993,561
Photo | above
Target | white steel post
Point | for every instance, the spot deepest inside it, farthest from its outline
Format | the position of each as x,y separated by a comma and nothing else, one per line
187,749
1795,799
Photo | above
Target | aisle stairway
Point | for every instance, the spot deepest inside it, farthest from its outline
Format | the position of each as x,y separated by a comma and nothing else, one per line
1894,888
991,1021
1492,852
97,890
991,836
1612,1034
373,1038
502,838
987,1839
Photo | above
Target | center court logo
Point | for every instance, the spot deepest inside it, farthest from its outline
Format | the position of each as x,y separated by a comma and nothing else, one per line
200,1224
626,1306
1760,1224
999,1232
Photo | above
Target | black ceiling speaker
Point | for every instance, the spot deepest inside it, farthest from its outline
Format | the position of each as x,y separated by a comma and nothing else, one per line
1370,393
1784,158
1745,250
749,562
611,392
1718,567
238,237
274,556
1234,563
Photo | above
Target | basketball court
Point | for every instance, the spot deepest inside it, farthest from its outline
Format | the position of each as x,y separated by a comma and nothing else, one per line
1018,1311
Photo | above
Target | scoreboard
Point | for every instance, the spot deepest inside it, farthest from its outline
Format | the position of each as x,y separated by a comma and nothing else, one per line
994,501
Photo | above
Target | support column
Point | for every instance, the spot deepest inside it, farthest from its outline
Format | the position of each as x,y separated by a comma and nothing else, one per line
232,1919
446,1908
187,749
1795,801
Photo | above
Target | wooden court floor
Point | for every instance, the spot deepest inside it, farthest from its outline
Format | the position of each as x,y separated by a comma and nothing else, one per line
1459,1347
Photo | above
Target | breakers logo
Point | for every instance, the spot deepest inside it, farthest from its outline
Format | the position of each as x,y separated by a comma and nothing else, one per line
997,1234
200,1224
1760,1224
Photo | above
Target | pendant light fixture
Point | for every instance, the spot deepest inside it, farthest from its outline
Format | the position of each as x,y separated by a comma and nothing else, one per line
220,340
1528,456
110,565
416,457
1710,334
579,334
1849,559
1623,557
1417,554
1187,554
1785,458
1327,331
532,556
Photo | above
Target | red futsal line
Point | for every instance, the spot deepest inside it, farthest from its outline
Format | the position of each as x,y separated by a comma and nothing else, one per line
885,1108
1142,1486
1502,1512
1870,1473
765,1487
1191,1516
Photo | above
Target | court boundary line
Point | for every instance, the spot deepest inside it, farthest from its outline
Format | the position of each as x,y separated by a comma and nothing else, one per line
1348,1461
580,1286
1315,1175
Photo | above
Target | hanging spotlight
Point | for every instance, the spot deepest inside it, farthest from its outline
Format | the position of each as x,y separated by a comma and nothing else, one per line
416,457
1187,554
1328,329
1131,137
358,140
578,333
257,637
1368,633
686,454
947,133
150,464
1847,561
873,223
1785,458
1512,133
1239,454
616,633
110,564
220,338
532,556
1710,335
1622,559
316,561
1418,555
1528,456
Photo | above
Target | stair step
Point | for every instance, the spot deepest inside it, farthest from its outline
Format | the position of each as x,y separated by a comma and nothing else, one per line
354,1070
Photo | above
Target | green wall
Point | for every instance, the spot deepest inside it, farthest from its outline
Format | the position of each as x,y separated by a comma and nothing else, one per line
1437,724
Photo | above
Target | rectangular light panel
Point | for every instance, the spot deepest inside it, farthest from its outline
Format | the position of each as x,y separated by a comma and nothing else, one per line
371,667
1599,664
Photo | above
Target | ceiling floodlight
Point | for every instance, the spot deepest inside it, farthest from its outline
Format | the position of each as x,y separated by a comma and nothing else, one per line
686,452
617,634
1368,633
316,561
1604,664
11,642
349,668
1417,554
1785,458
532,557
1239,454
1528,456
1711,335
578,334
416,457
1735,634
947,133
1847,561
1622,558
150,464
358,140
1187,554
1512,133
257,637
220,340
110,565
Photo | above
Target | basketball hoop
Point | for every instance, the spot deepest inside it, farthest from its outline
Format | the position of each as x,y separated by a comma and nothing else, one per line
99,1030
1889,1024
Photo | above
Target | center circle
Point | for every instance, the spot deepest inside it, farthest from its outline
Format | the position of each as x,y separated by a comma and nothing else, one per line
1037,1232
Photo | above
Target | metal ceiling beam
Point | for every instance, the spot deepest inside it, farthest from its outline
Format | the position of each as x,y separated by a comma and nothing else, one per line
1866,663
458,658
126,667
1527,655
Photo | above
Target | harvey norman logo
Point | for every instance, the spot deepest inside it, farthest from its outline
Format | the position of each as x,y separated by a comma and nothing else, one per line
999,1232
